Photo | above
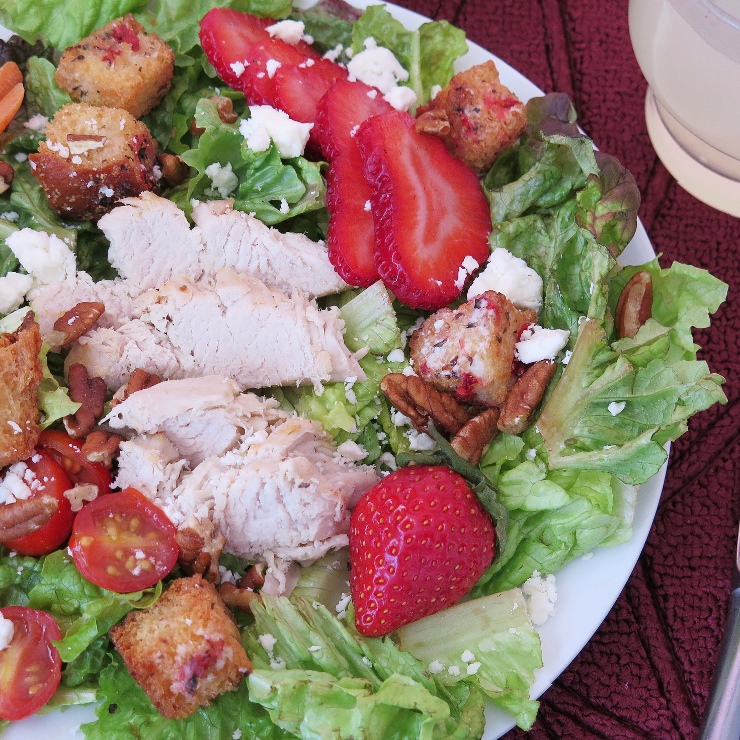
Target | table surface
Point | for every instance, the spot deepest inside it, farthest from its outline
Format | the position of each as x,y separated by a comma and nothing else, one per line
646,672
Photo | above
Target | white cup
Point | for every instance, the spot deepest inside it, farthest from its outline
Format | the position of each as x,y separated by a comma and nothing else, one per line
689,52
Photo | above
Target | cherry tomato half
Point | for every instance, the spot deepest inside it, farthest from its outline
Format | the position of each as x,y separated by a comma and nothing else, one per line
68,451
30,667
53,481
123,542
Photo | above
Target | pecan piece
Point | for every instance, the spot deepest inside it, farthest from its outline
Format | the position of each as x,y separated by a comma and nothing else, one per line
253,578
237,598
434,122
24,517
225,110
101,446
7,173
194,556
174,170
525,396
90,392
474,437
635,304
422,402
140,380
78,321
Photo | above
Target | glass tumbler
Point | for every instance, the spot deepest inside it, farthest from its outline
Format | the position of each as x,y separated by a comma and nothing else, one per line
689,52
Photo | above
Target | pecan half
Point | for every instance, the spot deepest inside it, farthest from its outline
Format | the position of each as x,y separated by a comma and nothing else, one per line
254,577
474,437
174,170
195,556
7,173
422,402
90,392
635,304
24,517
140,380
525,396
237,598
101,446
434,122
78,321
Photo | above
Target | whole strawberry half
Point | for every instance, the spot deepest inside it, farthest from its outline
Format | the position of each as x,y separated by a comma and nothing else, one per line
419,540
429,212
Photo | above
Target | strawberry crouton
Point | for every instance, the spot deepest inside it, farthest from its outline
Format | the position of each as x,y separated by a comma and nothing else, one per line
475,115
92,157
184,650
120,66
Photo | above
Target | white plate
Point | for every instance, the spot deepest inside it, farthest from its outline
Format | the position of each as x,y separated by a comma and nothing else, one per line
587,588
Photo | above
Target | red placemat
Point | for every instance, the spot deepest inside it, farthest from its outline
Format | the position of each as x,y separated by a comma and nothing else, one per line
646,672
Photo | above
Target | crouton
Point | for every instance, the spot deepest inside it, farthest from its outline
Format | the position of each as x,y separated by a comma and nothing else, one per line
93,157
184,650
475,115
119,66
20,376
469,350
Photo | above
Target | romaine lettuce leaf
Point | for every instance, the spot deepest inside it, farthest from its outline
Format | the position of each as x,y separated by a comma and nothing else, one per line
272,189
428,54
43,94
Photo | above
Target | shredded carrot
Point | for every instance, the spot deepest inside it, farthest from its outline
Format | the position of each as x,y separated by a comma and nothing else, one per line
10,76
10,104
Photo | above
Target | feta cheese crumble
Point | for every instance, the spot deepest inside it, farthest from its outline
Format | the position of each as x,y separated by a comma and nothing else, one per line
616,407
7,628
45,257
289,31
537,344
266,124
436,667
377,66
13,289
222,177
540,595
511,276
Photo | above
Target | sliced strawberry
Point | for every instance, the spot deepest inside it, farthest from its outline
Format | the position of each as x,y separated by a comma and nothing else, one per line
239,46
428,208
298,89
418,542
351,237
340,112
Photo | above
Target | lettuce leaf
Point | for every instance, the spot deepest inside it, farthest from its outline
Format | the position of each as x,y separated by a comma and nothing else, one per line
266,183
347,682
428,54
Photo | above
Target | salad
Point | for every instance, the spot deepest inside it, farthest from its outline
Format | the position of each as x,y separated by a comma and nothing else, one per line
554,490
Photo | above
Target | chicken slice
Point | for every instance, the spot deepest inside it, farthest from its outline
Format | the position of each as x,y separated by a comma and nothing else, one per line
231,325
280,491
151,242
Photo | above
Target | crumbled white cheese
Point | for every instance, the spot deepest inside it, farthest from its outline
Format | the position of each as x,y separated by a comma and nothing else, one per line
342,604
20,156
284,207
334,53
7,628
367,661
536,343
467,657
45,257
469,266
37,123
367,205
419,442
511,276
10,216
266,124
400,97
238,67
13,289
223,179
388,460
268,642
436,667
272,66
616,407
236,735
396,355
436,90
472,669
377,66
18,484
289,31
540,595
566,357
226,575
106,191
454,670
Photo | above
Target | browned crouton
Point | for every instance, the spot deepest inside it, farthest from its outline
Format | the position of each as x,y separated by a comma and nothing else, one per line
20,376
92,157
119,66
475,115
469,350
184,650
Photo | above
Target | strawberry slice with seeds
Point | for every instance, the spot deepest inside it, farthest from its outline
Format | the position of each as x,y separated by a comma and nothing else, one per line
341,111
351,236
419,540
298,88
239,46
430,214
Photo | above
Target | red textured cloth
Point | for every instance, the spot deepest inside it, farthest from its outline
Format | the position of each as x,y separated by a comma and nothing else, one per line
646,672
